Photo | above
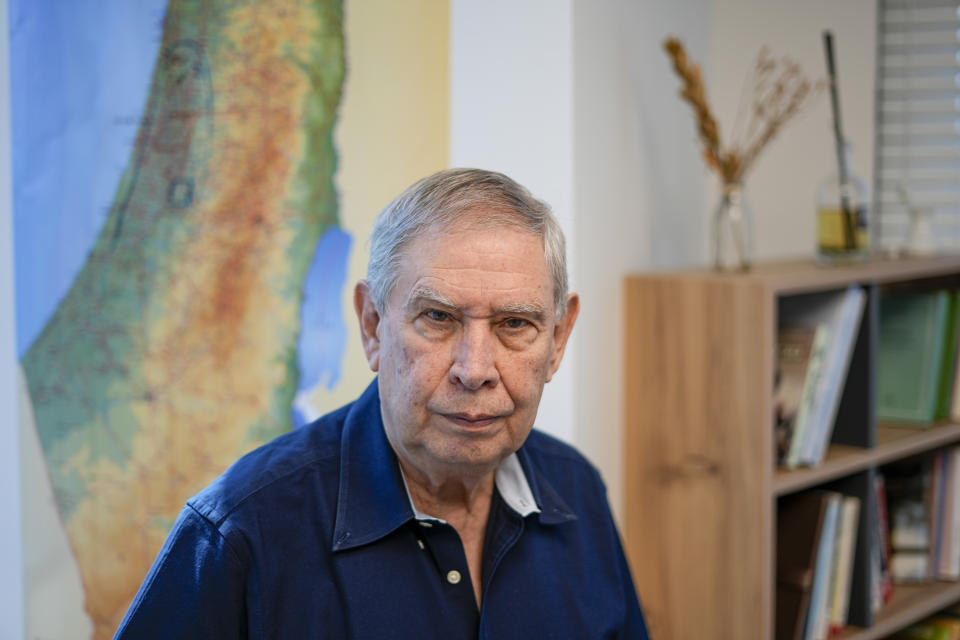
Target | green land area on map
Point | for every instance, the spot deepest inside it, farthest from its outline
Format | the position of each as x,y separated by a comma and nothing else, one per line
174,351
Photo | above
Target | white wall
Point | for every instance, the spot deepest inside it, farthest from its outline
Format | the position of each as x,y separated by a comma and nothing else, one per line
11,586
639,191
511,111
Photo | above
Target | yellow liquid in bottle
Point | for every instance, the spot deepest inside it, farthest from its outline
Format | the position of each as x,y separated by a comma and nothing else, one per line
832,235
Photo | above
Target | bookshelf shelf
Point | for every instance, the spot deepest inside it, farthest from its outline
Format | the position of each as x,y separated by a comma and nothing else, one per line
893,443
701,485
909,604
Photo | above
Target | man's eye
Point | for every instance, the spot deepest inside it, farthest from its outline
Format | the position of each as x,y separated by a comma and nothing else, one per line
515,323
437,316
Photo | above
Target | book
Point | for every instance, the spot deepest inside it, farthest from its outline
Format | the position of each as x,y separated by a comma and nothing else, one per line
799,526
935,515
795,346
946,535
907,495
830,387
839,312
817,623
846,546
881,581
954,414
883,536
876,572
825,621
948,359
912,329
952,549
803,428
836,371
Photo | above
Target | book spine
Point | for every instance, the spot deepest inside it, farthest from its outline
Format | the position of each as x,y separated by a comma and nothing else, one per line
817,616
833,384
955,520
802,425
935,516
945,525
883,530
948,361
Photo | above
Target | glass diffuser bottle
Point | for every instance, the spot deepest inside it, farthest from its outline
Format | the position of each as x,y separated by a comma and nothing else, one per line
843,229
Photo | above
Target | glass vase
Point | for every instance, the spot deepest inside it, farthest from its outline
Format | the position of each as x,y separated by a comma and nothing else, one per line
843,225
731,230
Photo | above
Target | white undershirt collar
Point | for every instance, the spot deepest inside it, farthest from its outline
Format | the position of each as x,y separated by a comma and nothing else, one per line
511,483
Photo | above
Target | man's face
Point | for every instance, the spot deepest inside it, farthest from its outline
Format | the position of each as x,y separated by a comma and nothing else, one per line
464,346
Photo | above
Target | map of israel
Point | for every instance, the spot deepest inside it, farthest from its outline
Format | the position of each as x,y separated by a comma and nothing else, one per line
175,349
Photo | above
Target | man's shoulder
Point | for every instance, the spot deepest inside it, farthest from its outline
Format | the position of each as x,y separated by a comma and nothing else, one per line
311,449
557,459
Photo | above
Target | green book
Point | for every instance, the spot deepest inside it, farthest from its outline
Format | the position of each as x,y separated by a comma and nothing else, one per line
948,359
909,357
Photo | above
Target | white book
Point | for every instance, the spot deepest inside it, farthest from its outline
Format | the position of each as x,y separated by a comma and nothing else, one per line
837,365
816,626
821,342
849,525
840,312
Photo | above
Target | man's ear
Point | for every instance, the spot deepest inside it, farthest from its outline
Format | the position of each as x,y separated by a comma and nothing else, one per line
369,319
561,333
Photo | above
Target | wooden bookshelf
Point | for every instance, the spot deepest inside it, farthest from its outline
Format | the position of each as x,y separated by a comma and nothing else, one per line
701,483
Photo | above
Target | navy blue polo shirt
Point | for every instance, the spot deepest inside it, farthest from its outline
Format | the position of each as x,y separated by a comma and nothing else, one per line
313,536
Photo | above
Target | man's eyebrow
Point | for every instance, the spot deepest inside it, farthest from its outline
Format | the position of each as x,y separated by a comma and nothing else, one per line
522,309
422,293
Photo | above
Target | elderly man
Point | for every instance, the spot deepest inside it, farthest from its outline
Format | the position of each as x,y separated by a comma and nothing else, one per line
428,507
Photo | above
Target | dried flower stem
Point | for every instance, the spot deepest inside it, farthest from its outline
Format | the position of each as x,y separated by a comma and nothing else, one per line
779,91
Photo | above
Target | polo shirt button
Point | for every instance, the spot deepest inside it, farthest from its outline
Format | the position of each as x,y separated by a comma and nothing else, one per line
453,577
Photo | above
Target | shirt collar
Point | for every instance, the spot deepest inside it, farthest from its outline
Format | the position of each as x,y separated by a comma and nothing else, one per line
511,483
373,500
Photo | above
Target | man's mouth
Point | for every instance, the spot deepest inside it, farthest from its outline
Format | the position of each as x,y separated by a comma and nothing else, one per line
471,420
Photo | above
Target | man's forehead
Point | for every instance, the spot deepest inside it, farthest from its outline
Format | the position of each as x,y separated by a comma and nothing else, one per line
459,266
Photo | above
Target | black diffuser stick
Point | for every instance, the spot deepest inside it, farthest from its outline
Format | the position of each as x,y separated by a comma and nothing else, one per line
847,213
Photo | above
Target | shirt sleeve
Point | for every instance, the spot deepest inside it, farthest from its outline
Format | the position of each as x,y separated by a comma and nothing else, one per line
635,626
195,589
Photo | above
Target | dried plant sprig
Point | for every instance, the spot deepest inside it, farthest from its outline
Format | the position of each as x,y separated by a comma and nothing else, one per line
779,91
693,92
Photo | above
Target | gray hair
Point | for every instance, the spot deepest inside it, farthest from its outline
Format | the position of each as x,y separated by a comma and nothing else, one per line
439,200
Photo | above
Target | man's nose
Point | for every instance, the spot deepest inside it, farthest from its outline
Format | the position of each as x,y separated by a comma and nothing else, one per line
474,363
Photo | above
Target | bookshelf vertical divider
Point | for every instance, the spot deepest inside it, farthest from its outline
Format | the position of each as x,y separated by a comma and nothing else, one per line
701,486
698,523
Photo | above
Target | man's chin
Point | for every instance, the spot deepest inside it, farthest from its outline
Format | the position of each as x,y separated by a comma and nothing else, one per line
472,461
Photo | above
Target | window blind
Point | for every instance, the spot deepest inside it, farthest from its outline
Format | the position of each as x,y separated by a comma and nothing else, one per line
918,118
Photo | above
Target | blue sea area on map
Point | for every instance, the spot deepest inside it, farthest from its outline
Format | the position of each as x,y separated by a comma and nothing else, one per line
323,334
80,74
